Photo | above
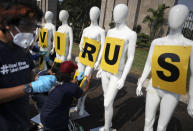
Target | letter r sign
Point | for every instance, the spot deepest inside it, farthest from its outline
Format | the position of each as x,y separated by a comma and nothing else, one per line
169,67
90,52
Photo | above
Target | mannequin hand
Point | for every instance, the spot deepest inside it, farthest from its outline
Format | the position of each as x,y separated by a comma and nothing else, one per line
99,74
96,65
43,83
77,59
190,108
120,84
138,90
69,57
81,49
80,76
52,51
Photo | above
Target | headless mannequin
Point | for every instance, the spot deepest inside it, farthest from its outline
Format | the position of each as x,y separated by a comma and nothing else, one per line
96,33
51,29
155,96
65,28
111,83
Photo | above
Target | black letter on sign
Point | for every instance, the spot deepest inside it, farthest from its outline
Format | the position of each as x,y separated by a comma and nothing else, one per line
58,43
89,52
42,39
115,57
173,69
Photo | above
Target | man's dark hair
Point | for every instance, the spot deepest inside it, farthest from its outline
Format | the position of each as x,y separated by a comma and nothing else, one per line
12,11
61,77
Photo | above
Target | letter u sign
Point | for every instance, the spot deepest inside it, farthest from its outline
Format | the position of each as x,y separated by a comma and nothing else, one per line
112,54
169,67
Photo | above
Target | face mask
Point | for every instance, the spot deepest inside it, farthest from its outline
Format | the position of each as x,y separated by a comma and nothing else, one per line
23,40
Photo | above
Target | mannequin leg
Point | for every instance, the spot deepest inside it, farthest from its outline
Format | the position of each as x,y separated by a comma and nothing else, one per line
81,68
108,102
87,72
152,102
105,82
167,107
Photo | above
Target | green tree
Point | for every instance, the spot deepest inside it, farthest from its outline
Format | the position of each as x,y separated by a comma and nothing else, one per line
79,14
156,20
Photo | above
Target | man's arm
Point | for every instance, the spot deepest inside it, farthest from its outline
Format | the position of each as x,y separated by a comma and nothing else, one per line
9,94
42,84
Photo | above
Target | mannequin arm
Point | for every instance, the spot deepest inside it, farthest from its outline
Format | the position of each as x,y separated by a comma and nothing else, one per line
101,49
146,71
71,44
190,103
81,42
53,33
130,56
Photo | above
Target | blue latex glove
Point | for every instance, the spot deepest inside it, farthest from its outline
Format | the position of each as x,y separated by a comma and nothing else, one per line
80,76
43,83
43,52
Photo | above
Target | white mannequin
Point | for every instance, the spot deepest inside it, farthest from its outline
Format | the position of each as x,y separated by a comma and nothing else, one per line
51,29
155,96
93,31
112,83
65,28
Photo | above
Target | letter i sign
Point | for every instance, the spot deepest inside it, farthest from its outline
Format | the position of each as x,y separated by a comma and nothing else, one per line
169,67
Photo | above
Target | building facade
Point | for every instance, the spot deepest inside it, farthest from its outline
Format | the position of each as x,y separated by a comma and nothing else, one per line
49,5
137,12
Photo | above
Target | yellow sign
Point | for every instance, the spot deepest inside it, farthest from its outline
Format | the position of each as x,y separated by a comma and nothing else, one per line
42,62
112,54
169,67
90,51
57,60
59,42
43,34
82,82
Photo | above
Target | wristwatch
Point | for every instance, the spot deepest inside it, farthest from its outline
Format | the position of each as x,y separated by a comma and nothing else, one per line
28,89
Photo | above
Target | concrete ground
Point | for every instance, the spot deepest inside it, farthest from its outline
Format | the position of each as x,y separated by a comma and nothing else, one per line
128,110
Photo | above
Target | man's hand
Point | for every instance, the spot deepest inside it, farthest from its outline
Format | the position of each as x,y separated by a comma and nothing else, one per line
43,83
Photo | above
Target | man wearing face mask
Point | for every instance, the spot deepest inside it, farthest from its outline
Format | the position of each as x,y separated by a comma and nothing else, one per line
17,20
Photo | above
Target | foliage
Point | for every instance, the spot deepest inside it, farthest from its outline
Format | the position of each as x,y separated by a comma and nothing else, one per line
143,40
79,14
112,24
156,20
188,33
137,28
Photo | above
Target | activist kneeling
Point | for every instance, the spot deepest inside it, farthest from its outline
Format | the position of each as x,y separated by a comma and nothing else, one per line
55,112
